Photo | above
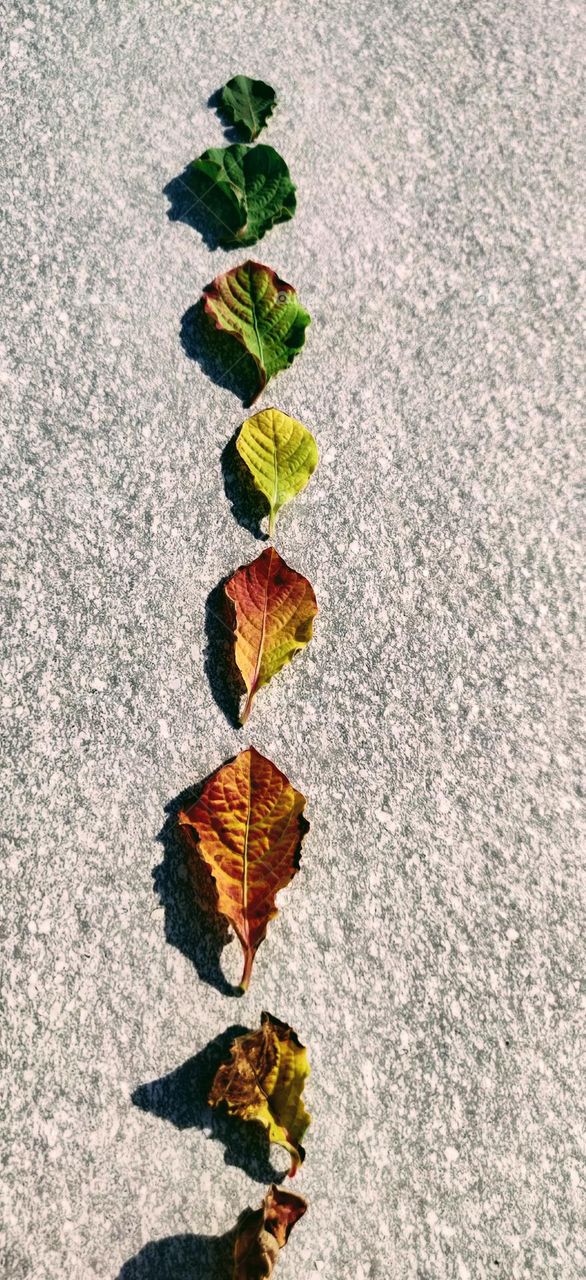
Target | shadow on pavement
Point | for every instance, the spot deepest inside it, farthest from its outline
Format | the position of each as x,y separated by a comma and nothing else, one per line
249,505
187,207
218,354
181,1097
182,1258
187,894
225,681
231,132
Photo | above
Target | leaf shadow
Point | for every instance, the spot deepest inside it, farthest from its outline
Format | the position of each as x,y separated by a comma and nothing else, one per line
231,131
187,895
218,354
181,1098
249,505
186,1257
225,681
186,207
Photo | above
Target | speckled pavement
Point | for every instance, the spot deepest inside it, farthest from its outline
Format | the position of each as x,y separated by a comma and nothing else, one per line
429,951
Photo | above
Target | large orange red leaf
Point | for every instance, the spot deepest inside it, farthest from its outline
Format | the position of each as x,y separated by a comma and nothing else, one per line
275,608
247,827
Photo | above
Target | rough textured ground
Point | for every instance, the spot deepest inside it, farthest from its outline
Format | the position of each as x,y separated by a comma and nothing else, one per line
429,952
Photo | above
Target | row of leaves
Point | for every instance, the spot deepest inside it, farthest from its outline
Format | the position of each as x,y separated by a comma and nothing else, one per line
247,826
243,192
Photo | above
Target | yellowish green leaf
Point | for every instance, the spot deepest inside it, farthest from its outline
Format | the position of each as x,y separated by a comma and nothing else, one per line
280,453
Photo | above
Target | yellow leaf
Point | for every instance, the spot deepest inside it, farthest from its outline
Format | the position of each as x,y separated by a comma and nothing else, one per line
280,453
264,1081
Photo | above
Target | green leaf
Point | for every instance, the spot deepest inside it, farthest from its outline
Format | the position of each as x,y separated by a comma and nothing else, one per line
244,189
262,312
281,455
247,104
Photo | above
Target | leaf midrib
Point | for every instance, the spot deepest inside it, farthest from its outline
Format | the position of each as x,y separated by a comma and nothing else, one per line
275,466
245,851
254,130
256,330
263,625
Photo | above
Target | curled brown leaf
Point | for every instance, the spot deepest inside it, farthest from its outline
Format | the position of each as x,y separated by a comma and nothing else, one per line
262,1233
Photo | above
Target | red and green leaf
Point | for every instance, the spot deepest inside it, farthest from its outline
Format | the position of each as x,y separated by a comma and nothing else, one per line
274,611
262,313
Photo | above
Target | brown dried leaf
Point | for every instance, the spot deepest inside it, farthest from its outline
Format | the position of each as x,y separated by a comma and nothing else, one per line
262,1233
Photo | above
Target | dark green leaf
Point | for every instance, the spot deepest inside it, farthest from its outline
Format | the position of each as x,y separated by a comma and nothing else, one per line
245,191
247,104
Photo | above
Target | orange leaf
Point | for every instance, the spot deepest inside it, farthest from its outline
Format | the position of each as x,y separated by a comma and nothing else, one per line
262,1233
275,608
247,827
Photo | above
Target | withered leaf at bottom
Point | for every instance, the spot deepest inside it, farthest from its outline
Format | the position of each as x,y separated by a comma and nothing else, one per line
262,1233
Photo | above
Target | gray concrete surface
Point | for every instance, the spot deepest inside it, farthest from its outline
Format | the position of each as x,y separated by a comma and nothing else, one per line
429,952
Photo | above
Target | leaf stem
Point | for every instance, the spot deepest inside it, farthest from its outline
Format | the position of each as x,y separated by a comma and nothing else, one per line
247,970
